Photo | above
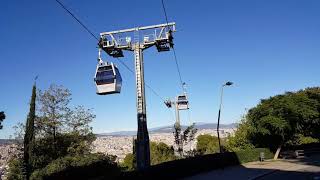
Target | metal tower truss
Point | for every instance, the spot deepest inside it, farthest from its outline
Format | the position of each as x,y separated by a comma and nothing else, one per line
114,43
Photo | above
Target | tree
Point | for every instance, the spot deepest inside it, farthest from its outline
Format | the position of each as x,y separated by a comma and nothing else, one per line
15,169
29,135
79,120
59,130
240,140
90,166
54,110
2,117
207,144
277,120
189,134
160,152
183,138
128,161
177,139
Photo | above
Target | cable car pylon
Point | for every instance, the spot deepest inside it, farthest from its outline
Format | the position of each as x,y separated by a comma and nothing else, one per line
114,43
180,103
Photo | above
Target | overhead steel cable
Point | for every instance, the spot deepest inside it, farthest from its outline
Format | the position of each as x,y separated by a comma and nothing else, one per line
175,57
150,88
174,51
165,12
84,26
95,37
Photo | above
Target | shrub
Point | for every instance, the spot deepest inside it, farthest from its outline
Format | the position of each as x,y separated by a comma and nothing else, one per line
207,144
15,169
249,155
128,162
78,167
70,144
185,167
161,152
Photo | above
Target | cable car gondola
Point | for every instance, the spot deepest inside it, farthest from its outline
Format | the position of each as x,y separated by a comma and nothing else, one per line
107,78
183,103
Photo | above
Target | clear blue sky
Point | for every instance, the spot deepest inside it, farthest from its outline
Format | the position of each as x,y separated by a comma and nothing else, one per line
265,47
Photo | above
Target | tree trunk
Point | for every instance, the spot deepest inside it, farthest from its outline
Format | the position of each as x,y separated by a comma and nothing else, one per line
277,152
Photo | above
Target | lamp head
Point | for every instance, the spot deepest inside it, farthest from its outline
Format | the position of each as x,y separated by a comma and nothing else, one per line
229,83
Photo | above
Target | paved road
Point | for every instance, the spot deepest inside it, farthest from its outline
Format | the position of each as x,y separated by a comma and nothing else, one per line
305,173
305,168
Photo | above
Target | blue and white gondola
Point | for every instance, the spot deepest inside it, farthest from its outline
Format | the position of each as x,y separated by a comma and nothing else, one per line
183,103
107,79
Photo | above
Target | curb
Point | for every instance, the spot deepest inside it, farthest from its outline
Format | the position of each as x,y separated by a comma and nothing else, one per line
264,174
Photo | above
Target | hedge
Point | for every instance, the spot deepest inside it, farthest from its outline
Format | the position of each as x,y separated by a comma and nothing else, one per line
253,154
185,167
191,166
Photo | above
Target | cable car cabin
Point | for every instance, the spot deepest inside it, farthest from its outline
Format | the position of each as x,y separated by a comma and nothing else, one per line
108,79
182,102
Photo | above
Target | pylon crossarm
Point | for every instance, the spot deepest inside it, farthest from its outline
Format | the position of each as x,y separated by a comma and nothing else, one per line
114,42
171,26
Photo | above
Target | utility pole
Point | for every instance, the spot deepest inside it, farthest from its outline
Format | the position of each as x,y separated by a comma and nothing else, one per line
113,43
220,106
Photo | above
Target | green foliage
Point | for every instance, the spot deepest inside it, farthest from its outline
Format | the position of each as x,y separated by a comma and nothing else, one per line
59,130
279,119
240,140
29,135
299,139
249,155
185,137
2,117
161,153
78,167
79,119
128,162
68,143
54,110
307,140
189,133
177,137
15,169
207,144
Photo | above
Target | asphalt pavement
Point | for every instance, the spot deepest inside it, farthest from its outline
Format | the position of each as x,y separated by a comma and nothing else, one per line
305,168
302,168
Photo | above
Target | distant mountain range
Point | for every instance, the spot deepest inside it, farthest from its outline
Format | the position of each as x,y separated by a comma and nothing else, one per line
162,129
170,129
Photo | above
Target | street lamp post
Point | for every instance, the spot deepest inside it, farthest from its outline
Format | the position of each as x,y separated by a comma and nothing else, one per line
226,84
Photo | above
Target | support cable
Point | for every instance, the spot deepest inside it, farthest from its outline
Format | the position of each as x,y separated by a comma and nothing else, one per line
175,57
174,51
150,88
74,17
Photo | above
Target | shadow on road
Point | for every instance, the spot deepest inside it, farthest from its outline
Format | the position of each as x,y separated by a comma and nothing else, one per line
301,168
